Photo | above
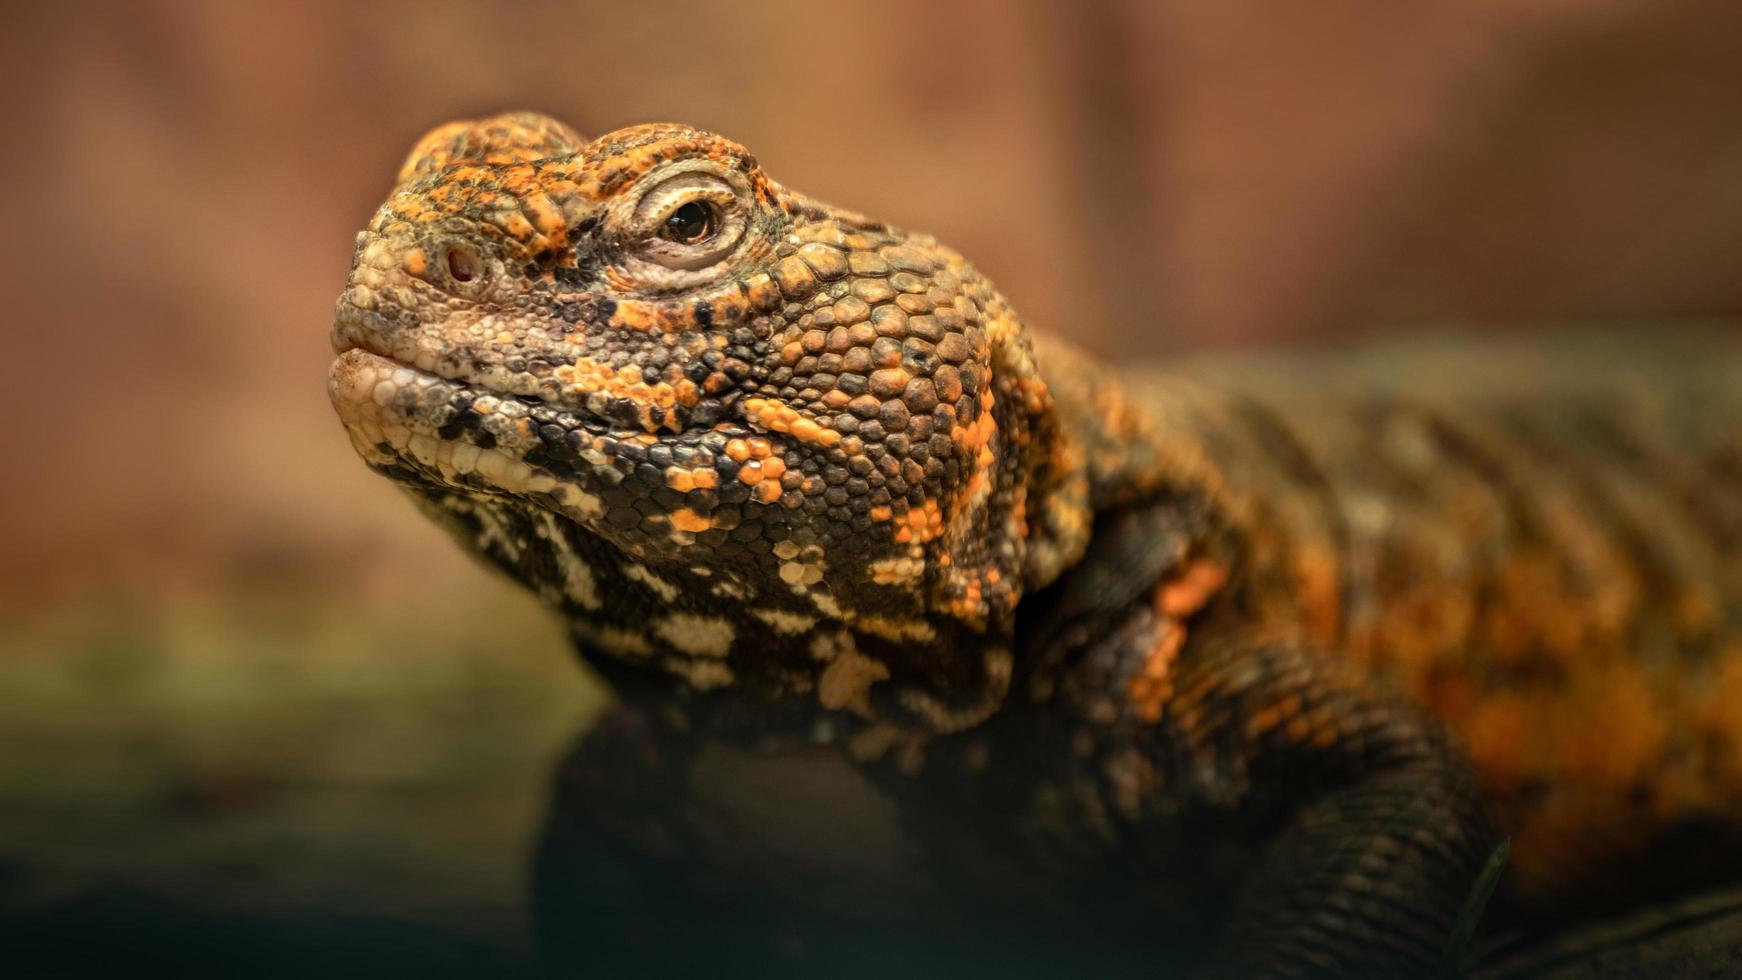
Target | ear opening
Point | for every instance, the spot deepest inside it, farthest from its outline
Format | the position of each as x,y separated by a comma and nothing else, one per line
513,137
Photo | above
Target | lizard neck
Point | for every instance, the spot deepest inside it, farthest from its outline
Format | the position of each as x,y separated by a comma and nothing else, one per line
1107,455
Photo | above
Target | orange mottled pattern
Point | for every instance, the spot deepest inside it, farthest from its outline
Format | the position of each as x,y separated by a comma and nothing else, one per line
1540,545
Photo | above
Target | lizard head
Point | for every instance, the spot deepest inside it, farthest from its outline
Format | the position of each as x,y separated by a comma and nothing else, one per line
730,431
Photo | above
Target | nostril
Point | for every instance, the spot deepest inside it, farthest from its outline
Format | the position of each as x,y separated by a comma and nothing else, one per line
462,263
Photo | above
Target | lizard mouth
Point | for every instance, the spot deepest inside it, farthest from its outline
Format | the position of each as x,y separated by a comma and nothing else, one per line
424,430
438,437
602,403
440,425
387,404
360,374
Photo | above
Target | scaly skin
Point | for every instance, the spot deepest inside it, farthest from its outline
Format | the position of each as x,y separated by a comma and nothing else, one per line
795,475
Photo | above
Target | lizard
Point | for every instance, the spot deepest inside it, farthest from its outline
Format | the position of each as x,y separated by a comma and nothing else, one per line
1290,646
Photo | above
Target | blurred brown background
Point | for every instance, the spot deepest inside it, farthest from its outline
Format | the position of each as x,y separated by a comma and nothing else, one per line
184,180
195,566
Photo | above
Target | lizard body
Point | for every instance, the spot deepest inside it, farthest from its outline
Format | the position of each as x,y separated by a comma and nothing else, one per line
1275,644
1539,541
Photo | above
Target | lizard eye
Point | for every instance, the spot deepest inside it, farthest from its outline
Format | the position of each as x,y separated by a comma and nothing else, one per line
691,221
690,224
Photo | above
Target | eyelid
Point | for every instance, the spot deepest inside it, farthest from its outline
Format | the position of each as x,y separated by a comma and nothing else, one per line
664,198
659,203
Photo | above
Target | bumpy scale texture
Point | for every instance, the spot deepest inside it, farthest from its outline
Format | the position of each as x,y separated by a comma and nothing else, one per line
1277,647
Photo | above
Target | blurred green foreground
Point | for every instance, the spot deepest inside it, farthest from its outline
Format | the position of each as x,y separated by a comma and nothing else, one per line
277,786
291,781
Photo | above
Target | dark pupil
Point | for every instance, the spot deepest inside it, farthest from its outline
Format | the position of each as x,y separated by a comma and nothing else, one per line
691,223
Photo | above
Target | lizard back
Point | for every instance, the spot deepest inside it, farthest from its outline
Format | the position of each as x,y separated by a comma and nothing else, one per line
1538,540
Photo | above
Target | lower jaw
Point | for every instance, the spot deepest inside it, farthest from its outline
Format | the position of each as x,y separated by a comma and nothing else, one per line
389,410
